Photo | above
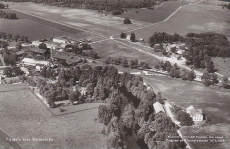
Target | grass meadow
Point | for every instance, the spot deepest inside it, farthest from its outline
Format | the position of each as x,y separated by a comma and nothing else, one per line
24,116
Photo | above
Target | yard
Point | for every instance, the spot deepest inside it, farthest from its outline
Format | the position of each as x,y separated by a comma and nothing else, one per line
26,118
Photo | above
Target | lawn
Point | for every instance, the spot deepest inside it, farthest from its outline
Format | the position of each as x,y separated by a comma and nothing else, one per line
213,101
24,116
156,15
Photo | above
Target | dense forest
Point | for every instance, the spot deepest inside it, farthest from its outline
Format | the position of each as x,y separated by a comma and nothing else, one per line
108,5
105,84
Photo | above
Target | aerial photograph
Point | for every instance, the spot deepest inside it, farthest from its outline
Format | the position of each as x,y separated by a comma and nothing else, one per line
114,74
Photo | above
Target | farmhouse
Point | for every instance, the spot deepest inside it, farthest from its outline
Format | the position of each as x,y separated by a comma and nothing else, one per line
158,107
196,114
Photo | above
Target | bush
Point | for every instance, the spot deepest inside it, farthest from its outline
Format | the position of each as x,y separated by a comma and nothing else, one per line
127,21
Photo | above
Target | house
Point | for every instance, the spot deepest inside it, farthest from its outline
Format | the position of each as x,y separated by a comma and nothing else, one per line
196,114
39,52
158,107
35,63
60,39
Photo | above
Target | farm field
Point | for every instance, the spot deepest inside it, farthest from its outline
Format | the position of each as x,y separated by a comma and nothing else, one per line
87,20
37,28
28,28
190,18
156,15
214,103
26,117
111,48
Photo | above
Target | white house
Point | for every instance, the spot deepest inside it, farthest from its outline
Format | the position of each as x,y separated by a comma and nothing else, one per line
196,114
60,40
158,107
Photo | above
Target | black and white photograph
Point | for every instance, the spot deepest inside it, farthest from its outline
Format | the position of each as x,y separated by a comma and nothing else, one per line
114,74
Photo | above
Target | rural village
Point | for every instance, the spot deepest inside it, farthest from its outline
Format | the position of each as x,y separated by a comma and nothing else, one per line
108,74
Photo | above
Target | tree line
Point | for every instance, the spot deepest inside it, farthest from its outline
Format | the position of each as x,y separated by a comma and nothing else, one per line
2,6
7,15
125,63
10,37
113,5
174,71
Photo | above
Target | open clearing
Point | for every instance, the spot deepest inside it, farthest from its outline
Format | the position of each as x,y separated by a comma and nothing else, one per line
27,117
156,15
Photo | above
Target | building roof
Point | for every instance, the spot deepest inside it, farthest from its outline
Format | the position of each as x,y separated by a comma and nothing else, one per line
20,53
37,50
158,107
190,107
195,111
34,62
61,38
62,55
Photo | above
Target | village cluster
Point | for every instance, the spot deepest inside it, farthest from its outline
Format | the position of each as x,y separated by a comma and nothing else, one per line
31,57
